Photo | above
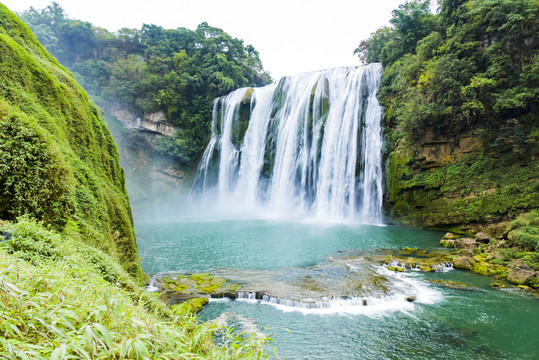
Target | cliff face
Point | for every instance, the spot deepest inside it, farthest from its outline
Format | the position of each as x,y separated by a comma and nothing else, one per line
455,183
58,161
152,122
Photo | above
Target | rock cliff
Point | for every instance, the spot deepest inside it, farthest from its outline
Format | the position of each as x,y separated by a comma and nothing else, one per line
454,182
153,122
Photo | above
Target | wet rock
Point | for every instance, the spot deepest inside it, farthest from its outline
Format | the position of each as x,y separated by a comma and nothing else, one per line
411,298
466,243
447,243
452,284
521,274
193,305
463,262
482,237
190,288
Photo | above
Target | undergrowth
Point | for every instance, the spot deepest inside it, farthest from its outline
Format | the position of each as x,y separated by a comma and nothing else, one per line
524,231
62,299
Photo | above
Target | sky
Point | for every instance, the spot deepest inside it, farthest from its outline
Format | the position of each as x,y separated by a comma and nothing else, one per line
291,36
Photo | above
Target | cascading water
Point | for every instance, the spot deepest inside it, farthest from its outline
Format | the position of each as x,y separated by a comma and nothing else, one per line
309,145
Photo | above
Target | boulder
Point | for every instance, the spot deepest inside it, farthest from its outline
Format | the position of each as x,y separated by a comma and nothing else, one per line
482,237
466,243
463,262
448,243
520,273
521,276
449,236
465,252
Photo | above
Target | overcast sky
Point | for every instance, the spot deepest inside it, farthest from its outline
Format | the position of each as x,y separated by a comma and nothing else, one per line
292,36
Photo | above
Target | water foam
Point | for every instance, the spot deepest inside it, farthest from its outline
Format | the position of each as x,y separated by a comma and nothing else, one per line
405,294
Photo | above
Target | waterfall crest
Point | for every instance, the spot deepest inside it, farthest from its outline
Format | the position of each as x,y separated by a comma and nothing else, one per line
309,146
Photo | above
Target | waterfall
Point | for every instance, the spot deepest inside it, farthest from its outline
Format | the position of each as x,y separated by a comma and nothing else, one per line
307,145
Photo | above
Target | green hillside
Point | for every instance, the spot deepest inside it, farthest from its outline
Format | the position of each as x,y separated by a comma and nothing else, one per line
460,90
58,161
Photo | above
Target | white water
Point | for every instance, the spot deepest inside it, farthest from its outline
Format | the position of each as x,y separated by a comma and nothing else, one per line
312,148
404,286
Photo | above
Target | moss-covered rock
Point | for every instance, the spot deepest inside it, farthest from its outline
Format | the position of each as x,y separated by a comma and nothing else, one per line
454,183
452,284
412,259
182,288
501,258
58,161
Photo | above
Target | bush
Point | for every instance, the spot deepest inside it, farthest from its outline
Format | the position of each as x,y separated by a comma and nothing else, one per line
524,231
33,174
63,299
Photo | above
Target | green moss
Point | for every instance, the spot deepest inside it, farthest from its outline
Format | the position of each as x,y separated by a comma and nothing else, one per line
58,161
181,287
477,189
199,278
524,231
480,268
190,306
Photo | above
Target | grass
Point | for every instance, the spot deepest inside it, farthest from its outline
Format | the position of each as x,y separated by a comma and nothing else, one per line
63,299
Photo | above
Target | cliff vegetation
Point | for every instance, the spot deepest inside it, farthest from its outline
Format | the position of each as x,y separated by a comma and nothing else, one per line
58,161
174,71
460,90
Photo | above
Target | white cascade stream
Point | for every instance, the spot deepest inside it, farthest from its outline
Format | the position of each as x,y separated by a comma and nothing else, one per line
306,146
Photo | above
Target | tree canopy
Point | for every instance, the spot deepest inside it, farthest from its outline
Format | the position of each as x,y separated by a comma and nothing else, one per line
472,65
177,71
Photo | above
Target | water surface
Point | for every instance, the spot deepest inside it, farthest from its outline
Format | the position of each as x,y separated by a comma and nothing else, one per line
480,323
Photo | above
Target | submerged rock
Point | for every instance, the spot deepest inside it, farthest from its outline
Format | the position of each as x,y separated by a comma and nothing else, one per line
452,284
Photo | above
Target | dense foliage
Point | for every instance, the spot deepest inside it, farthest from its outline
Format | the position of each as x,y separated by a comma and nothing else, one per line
474,64
58,161
63,299
177,71
460,89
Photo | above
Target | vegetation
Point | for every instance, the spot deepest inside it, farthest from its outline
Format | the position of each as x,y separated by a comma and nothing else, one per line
69,269
524,231
177,71
460,90
469,72
63,299
58,162
474,64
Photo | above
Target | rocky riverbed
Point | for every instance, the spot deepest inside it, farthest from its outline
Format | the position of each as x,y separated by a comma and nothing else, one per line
349,277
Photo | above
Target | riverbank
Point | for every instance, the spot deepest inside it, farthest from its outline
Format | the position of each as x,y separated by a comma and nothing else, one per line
63,298
512,256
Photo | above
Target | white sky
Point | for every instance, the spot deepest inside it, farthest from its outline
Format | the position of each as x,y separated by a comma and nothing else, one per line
291,36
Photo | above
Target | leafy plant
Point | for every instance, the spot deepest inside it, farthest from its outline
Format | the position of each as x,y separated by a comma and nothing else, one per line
81,304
